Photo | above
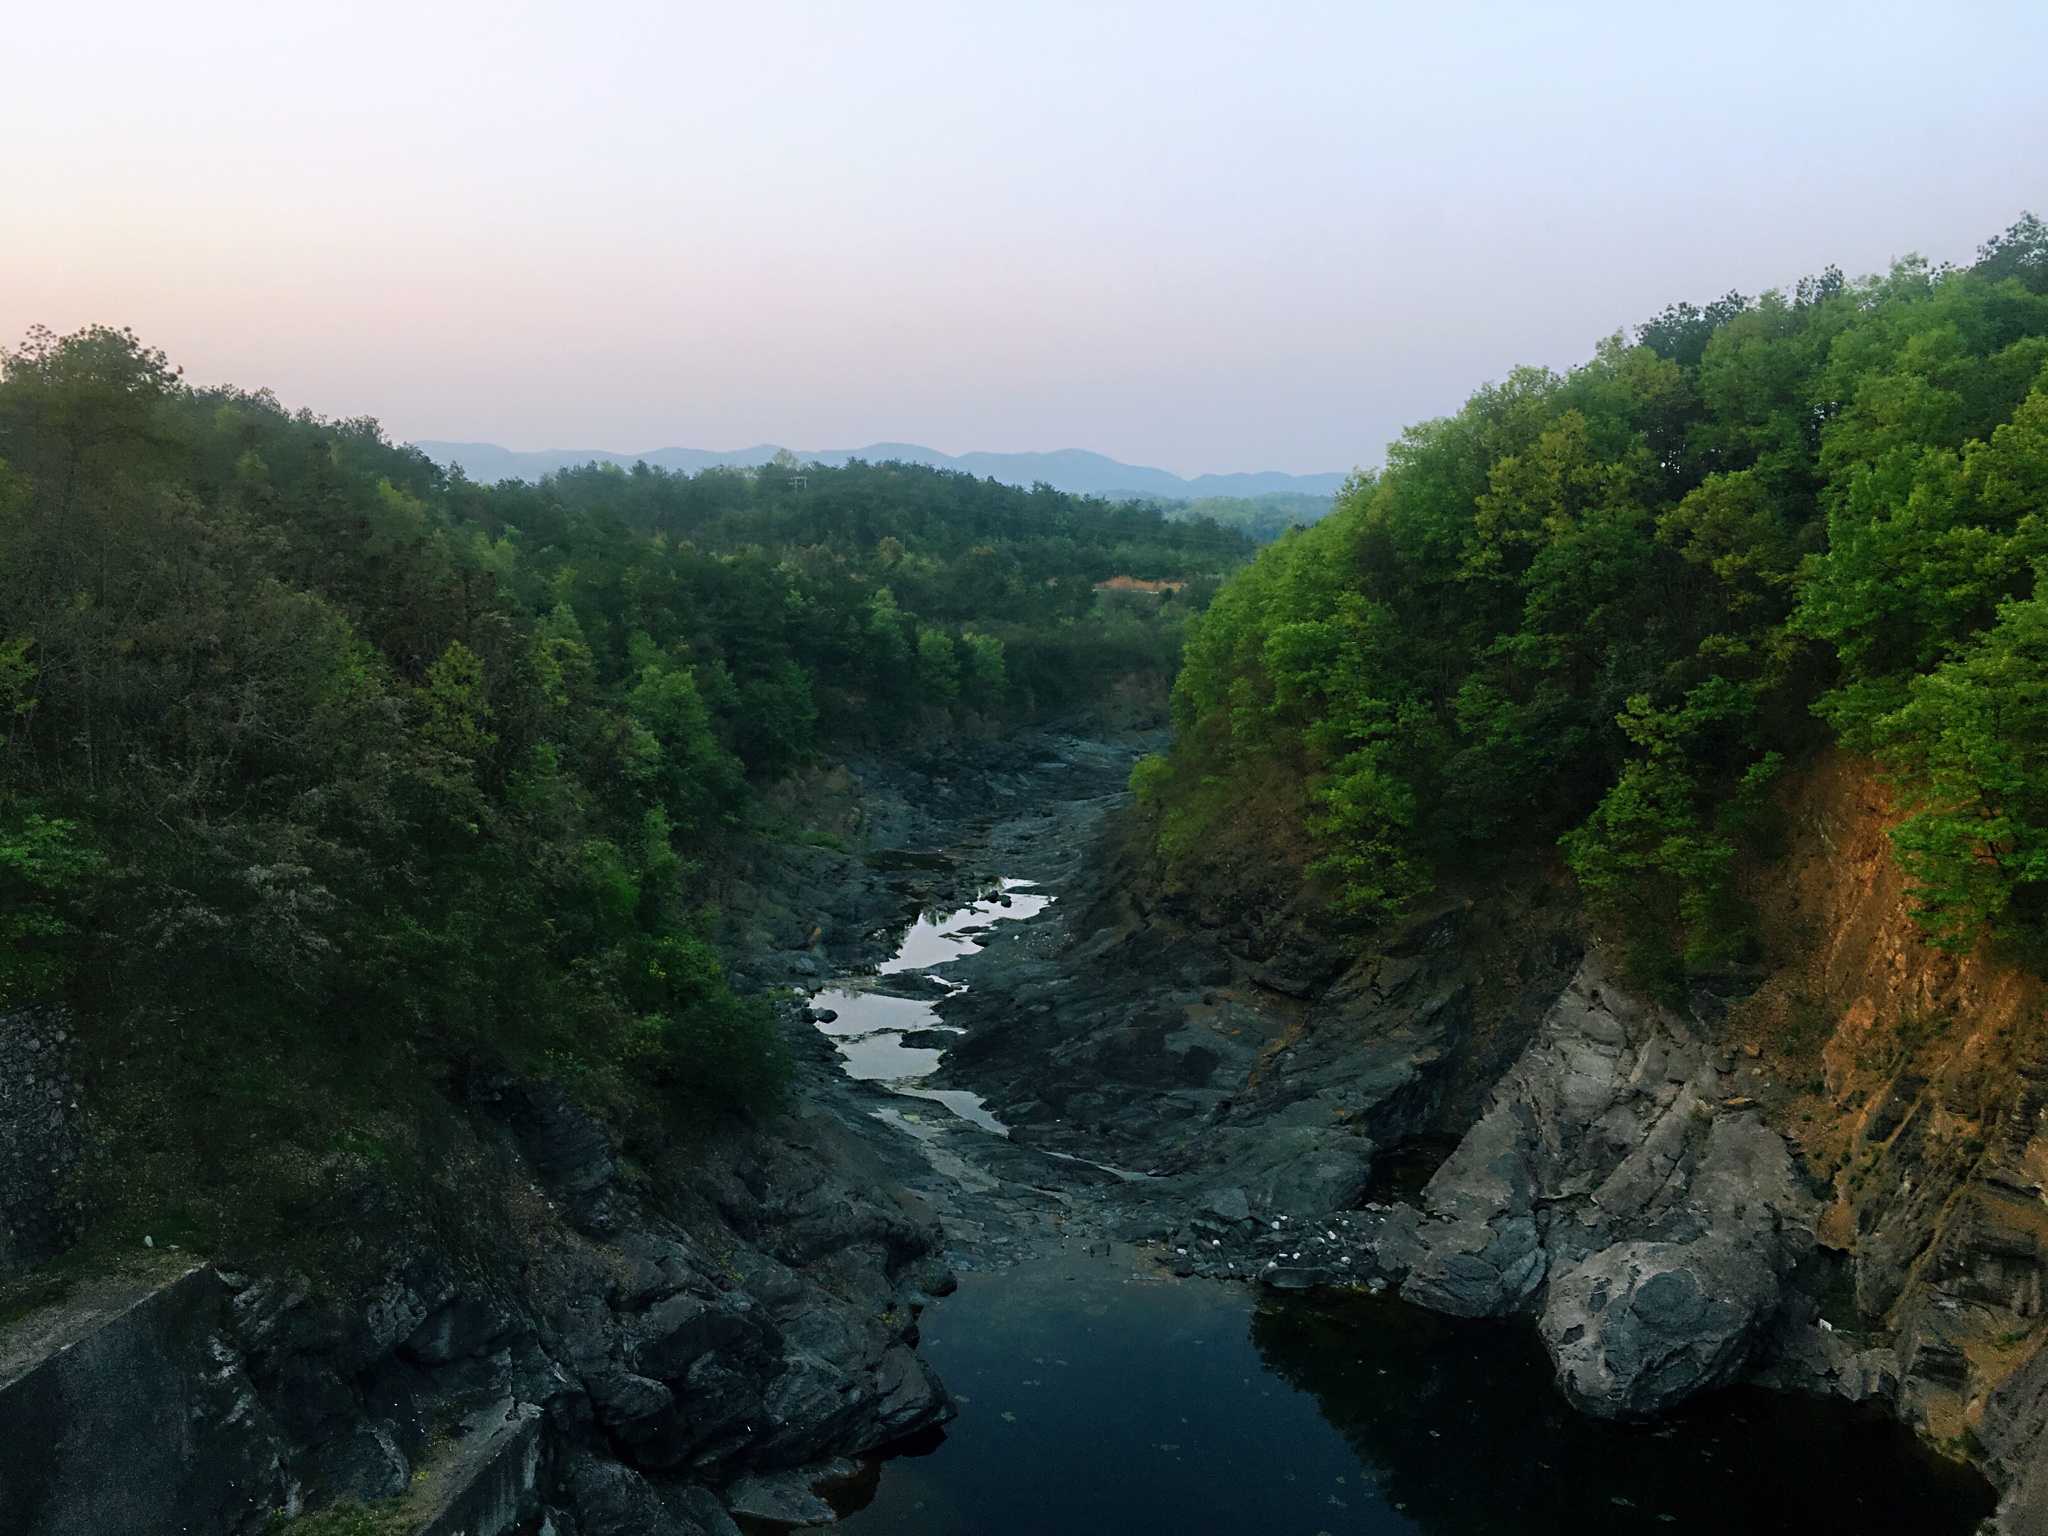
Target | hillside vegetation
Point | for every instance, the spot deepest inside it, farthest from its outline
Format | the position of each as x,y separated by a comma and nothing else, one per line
1264,518
310,755
1600,611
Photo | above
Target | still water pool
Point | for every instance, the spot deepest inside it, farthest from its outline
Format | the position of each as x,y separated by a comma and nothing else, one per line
1098,1399
868,1026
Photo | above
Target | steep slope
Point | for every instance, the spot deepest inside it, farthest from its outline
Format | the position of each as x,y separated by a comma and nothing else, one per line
1915,1082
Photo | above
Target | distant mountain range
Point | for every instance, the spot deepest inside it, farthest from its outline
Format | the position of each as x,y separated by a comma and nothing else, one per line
1070,469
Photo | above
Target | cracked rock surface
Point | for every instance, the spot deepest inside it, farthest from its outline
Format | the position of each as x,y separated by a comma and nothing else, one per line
1610,1188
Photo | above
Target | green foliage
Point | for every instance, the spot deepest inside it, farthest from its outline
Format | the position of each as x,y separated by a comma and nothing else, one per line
17,675
316,744
1661,844
1970,747
1602,607
40,865
389,1517
692,1032
986,677
1262,518
455,707
938,668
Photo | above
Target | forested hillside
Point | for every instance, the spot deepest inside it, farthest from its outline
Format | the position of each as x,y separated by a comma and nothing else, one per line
312,755
1265,518
1603,610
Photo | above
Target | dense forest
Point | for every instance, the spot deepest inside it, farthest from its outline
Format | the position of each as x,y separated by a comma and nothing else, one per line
1265,517
1603,611
308,750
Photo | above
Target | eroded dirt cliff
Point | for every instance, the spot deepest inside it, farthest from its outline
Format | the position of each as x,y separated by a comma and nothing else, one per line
1915,1083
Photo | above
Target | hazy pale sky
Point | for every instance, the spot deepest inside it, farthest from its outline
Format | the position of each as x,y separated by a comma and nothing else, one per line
1211,238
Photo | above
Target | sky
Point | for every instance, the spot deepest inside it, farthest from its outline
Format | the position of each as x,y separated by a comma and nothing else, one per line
1207,238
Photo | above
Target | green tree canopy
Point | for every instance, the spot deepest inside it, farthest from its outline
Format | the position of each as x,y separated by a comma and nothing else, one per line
1603,607
304,737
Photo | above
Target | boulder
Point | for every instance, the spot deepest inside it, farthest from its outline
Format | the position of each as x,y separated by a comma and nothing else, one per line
1302,1170
462,1329
1230,1204
568,1146
613,1500
676,1332
778,1498
1613,1189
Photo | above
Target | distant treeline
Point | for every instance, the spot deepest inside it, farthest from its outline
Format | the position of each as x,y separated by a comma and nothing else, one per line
1608,607
1261,518
302,740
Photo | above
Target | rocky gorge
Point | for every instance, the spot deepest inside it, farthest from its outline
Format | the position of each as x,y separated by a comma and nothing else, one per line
1469,1109
1815,1173
617,1334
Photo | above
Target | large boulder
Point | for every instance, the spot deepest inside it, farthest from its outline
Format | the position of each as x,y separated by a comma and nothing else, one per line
1612,1188
1639,1326
613,1500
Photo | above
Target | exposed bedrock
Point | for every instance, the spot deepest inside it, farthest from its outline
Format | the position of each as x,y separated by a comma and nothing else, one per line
1612,1176
1612,1189
761,1325
1147,1042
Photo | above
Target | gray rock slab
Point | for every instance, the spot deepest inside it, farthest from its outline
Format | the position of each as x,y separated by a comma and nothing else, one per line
1611,1189
613,1500
780,1498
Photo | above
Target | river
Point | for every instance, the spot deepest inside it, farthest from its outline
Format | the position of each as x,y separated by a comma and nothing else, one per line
1099,1393
1097,1396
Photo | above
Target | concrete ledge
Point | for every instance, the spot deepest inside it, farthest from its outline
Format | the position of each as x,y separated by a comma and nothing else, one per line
121,1411
487,1482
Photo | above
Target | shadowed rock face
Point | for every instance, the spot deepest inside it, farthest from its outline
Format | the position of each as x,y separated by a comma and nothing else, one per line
768,1333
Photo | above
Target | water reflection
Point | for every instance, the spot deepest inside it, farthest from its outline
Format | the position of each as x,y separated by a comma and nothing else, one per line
1462,1427
1097,1399
933,940
869,1027
1093,1398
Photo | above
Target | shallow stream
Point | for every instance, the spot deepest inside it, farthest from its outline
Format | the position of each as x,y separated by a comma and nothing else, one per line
868,1026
